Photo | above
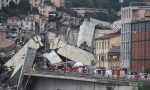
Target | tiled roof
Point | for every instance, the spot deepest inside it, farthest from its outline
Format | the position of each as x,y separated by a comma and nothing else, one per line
42,16
66,14
108,36
13,17
6,43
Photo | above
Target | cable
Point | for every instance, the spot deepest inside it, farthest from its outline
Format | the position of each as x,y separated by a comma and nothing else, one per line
28,78
27,81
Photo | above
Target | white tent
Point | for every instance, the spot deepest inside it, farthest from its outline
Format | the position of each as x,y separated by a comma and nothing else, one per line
77,64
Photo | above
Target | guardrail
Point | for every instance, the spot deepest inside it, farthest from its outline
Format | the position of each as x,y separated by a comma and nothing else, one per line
73,74
83,75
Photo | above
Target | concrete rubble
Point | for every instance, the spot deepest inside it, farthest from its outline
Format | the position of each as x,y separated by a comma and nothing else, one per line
52,57
87,30
72,52
18,59
54,51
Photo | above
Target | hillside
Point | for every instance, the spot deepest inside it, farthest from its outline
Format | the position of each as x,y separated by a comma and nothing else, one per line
105,4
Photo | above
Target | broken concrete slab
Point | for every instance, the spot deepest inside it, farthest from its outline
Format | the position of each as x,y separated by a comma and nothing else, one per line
52,57
73,53
18,59
87,30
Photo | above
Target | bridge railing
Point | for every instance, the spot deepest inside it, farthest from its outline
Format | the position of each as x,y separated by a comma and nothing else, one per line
80,75
71,74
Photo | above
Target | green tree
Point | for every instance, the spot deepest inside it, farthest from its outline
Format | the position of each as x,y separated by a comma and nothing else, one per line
9,11
105,4
145,86
104,16
82,3
35,10
69,11
12,5
24,7
147,70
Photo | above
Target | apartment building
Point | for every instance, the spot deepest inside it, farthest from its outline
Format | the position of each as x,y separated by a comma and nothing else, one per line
42,21
27,24
36,3
140,44
128,15
103,46
12,28
58,3
46,8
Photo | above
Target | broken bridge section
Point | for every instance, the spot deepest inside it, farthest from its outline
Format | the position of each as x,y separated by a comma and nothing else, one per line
18,59
87,30
27,65
47,81
73,53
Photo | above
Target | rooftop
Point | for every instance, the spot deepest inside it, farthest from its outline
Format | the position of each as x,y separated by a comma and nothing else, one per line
108,36
6,43
141,3
13,17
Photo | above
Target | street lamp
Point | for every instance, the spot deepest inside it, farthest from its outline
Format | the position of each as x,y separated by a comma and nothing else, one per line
66,47
103,52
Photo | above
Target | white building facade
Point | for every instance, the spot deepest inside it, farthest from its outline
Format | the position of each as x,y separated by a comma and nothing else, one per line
126,18
101,32
102,48
27,25
46,8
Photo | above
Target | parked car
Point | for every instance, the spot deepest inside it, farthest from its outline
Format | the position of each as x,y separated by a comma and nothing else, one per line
143,76
133,75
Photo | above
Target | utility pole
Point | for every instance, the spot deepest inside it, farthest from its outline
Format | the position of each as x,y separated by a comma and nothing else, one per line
66,47
121,2
103,52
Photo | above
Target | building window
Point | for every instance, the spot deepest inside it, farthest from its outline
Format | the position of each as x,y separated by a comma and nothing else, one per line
142,26
105,44
133,28
21,24
32,24
99,44
102,44
13,20
147,26
108,45
96,45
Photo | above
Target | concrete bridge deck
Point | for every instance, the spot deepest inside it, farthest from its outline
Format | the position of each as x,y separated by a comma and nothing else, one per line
48,80
85,77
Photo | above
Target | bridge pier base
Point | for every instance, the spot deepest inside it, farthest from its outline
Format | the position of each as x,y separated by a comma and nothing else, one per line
43,83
